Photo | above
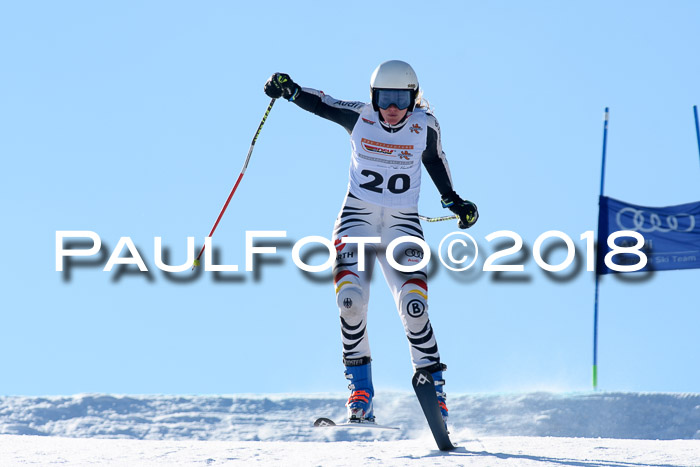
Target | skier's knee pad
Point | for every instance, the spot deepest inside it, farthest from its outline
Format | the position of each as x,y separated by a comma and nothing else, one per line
413,305
352,303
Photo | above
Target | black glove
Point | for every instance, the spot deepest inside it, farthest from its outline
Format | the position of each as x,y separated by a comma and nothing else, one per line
465,210
281,85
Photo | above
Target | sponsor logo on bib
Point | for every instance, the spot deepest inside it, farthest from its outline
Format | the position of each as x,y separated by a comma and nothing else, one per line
385,149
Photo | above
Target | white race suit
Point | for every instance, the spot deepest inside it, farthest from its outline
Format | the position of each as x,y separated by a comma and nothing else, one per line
382,201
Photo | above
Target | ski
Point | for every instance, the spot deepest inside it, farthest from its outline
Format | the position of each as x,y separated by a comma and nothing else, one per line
328,423
424,386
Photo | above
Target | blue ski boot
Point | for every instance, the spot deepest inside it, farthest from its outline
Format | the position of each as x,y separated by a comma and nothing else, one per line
359,372
436,372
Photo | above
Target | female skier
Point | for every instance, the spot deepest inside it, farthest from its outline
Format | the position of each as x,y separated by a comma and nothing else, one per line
390,137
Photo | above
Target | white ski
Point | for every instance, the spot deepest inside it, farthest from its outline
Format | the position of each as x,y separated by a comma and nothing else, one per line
328,423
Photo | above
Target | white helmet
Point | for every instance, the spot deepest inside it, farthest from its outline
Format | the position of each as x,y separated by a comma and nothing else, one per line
394,74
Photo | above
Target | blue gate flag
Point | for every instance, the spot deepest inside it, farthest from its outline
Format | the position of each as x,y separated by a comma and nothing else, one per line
671,234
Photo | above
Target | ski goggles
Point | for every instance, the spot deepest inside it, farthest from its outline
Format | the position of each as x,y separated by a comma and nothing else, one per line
401,98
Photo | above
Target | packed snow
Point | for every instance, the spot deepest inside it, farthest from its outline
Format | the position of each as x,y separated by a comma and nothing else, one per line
539,429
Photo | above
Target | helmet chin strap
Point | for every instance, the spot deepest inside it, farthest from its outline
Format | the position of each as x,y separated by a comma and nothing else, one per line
393,128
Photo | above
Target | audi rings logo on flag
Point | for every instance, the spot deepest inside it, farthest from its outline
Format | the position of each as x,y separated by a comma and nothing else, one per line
671,233
647,221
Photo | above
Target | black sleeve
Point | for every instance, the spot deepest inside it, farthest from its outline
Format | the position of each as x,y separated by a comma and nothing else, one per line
434,159
344,113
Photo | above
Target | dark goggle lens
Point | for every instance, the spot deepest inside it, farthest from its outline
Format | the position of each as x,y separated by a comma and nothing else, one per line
401,98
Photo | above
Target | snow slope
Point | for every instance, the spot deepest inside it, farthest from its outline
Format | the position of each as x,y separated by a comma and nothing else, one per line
607,429
488,452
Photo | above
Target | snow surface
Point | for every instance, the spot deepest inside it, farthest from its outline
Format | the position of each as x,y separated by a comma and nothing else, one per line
542,429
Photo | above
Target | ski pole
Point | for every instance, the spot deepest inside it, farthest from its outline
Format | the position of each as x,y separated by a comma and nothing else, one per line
240,176
438,219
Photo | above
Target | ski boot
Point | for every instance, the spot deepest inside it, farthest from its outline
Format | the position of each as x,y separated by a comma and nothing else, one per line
436,372
359,372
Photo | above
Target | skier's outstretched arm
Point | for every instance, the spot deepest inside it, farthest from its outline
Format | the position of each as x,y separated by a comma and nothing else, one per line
344,113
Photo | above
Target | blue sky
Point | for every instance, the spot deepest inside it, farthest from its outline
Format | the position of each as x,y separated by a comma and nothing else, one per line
134,119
